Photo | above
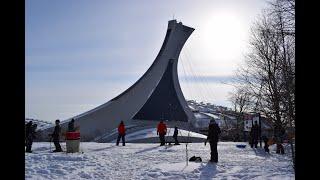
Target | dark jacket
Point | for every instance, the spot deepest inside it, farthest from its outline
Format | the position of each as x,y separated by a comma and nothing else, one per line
56,132
28,129
255,131
213,133
265,139
34,131
31,132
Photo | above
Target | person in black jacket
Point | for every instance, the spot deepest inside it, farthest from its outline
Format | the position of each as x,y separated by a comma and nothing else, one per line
266,145
28,127
56,136
213,137
175,136
254,133
30,135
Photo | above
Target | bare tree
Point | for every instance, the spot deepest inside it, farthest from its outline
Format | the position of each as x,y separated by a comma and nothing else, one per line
283,12
269,71
240,100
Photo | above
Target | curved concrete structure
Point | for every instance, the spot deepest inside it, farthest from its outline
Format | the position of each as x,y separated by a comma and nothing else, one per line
150,136
155,96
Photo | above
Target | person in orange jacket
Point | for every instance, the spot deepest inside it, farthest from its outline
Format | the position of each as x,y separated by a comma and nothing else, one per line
121,133
162,131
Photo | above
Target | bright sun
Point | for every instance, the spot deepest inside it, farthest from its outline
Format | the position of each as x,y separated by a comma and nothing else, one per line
224,36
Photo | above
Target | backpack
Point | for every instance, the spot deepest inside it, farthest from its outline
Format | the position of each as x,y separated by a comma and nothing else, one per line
195,159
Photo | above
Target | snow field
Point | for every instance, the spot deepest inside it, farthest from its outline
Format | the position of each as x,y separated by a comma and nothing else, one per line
150,161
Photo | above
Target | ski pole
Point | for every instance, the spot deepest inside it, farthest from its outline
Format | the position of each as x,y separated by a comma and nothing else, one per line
50,144
187,154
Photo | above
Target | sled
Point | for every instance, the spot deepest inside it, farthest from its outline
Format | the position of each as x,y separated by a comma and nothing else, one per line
241,146
195,159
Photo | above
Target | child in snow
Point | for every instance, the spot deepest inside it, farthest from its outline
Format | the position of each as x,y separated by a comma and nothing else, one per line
162,131
175,136
266,145
121,133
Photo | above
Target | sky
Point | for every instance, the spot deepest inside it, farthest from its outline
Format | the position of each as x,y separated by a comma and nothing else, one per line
80,54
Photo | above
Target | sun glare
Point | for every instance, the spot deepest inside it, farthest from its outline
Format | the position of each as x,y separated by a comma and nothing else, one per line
224,36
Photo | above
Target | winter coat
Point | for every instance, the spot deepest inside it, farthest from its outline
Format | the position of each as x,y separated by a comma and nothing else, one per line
56,133
31,133
162,129
254,131
265,139
28,129
175,133
121,129
213,133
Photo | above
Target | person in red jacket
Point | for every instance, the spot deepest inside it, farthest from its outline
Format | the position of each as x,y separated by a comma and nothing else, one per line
122,133
162,131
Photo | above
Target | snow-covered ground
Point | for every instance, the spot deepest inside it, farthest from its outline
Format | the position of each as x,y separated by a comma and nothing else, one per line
150,161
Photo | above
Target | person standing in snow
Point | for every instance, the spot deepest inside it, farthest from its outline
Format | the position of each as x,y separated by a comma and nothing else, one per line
279,141
162,131
56,136
213,137
27,131
279,147
266,145
71,126
121,133
31,130
254,135
175,136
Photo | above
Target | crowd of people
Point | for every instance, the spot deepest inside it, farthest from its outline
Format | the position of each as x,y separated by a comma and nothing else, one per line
30,134
255,135
213,136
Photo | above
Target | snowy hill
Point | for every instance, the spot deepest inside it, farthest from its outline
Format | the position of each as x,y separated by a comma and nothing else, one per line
150,161
41,124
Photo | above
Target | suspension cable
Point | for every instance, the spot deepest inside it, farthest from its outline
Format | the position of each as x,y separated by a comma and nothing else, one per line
202,89
187,85
190,78
204,81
